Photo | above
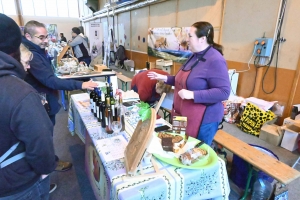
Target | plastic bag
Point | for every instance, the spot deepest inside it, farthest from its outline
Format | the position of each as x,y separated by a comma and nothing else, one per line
253,118
231,112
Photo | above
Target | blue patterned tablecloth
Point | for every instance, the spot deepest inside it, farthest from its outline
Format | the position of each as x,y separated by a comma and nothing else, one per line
107,177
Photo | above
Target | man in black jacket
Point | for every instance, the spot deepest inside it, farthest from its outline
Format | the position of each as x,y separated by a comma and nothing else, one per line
41,76
24,125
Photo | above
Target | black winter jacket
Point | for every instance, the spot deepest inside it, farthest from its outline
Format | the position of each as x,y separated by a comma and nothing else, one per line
22,119
42,78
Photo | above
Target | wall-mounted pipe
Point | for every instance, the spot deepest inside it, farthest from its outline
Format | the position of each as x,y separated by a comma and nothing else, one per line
116,7
104,12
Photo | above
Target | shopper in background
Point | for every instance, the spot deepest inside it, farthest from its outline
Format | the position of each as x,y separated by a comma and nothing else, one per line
149,90
62,37
80,47
41,76
83,35
24,124
201,84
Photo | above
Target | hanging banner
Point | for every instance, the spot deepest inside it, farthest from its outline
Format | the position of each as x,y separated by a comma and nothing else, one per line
96,35
169,43
106,40
121,34
52,32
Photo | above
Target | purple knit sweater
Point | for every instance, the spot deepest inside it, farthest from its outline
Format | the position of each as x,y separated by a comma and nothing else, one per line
210,82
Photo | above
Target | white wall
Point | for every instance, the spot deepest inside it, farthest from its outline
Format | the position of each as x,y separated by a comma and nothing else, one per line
64,24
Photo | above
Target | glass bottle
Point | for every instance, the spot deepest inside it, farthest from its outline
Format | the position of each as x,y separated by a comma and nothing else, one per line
112,104
107,90
98,110
91,100
121,113
116,117
95,99
102,110
108,116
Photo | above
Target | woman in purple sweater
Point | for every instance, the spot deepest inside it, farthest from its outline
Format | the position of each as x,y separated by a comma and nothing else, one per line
201,84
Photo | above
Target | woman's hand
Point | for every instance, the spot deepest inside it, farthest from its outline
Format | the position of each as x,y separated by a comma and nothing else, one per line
89,85
186,94
154,75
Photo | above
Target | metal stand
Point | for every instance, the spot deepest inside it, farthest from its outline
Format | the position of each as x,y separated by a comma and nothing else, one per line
62,94
244,197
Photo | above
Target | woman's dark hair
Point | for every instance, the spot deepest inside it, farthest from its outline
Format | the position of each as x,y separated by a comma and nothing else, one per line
207,30
62,34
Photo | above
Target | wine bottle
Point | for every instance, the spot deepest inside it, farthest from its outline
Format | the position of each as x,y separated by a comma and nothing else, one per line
107,90
98,110
112,104
95,99
91,100
108,117
121,111
117,114
102,110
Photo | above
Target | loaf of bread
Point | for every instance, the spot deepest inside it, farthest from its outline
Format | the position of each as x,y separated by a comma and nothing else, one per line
167,144
171,142
164,135
192,156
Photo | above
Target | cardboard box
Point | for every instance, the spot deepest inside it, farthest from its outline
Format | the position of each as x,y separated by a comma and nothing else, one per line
270,134
129,64
289,121
291,137
100,67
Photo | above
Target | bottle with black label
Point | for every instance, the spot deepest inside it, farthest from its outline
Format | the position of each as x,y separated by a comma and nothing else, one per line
91,100
98,110
107,90
95,99
108,117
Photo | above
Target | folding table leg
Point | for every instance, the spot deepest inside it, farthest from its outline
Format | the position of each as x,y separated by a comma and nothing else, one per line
244,197
62,94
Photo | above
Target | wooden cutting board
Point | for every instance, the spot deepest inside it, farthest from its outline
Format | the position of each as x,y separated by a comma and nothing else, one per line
138,143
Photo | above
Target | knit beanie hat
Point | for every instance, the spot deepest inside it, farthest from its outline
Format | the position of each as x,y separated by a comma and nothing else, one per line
76,30
10,35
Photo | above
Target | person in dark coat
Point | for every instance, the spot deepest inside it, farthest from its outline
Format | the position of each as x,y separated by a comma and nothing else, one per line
41,75
62,38
25,127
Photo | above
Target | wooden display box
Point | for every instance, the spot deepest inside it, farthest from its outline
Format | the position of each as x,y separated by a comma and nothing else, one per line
99,67
270,134
291,137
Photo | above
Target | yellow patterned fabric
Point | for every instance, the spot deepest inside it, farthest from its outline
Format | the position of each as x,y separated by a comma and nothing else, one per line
253,118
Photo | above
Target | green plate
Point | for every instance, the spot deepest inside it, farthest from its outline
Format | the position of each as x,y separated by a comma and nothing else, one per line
201,164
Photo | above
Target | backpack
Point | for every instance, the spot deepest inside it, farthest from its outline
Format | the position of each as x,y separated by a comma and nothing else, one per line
120,56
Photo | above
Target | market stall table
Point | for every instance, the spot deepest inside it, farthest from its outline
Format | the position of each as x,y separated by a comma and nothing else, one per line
107,177
109,75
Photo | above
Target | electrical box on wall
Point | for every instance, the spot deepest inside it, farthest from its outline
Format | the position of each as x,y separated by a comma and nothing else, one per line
164,65
263,47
